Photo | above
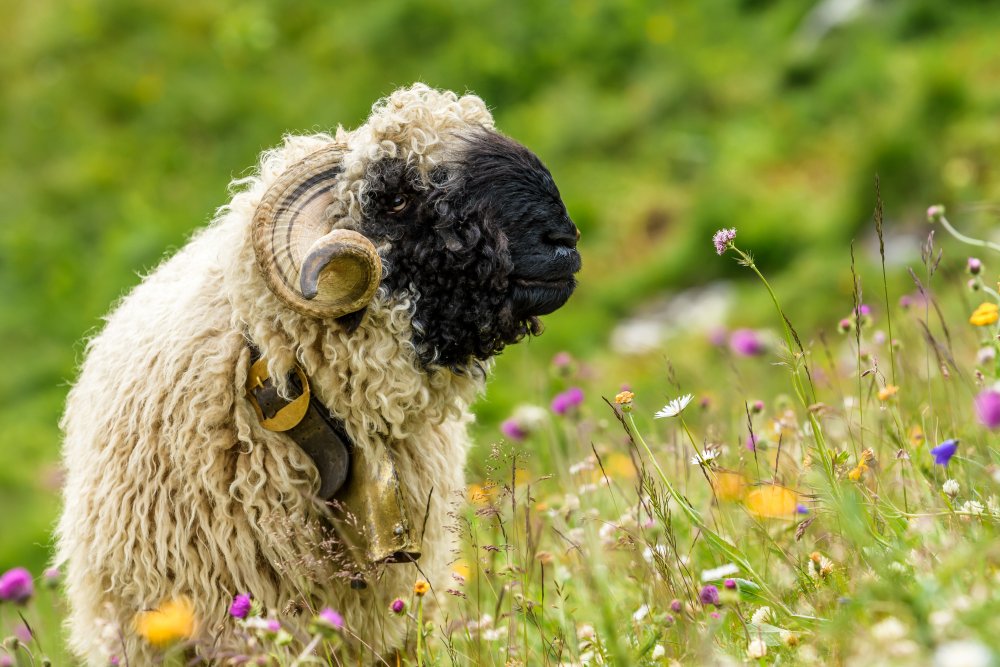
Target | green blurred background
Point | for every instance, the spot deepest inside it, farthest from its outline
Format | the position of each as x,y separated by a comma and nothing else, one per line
123,121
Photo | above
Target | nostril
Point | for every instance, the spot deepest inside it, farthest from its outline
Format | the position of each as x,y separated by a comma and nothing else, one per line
566,238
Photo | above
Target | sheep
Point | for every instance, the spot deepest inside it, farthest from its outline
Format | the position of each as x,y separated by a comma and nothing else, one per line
431,241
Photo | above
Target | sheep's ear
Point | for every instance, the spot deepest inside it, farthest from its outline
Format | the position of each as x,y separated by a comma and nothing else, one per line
318,272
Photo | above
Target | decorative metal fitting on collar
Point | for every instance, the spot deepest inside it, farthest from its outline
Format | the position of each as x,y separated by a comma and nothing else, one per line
290,415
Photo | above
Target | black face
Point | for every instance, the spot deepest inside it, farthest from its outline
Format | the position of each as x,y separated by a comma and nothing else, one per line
485,248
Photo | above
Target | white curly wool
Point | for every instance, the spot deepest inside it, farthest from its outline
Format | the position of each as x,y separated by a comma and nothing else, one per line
173,489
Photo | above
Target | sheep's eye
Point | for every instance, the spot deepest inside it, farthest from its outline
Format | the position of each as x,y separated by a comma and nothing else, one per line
399,203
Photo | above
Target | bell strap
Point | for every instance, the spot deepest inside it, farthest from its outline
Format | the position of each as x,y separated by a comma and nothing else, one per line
304,419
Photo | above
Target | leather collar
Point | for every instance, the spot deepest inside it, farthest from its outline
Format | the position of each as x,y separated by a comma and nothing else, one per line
304,419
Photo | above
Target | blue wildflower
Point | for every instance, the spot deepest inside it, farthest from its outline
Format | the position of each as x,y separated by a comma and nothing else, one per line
943,452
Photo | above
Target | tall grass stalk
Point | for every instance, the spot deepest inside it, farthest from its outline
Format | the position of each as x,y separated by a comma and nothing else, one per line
720,543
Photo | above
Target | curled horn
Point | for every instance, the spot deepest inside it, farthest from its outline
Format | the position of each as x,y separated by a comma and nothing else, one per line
318,272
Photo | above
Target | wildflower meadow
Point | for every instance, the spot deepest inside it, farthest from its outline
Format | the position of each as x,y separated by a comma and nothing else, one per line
762,431
820,497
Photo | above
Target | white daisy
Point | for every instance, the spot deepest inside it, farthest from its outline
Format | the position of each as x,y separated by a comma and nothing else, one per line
640,613
719,572
674,407
705,457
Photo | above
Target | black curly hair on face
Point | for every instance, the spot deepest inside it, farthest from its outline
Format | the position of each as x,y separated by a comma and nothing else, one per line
450,246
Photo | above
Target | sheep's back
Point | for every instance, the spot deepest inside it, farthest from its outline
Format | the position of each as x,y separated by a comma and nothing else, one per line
153,456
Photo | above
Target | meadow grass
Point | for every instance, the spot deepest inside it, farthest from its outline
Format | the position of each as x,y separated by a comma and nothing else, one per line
826,501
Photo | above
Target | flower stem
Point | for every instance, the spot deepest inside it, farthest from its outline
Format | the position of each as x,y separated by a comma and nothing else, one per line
967,239
420,631
800,391
718,541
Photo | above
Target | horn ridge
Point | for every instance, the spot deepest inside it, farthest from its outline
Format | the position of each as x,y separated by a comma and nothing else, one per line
296,250
291,271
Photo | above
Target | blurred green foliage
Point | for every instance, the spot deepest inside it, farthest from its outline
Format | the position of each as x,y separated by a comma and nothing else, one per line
122,123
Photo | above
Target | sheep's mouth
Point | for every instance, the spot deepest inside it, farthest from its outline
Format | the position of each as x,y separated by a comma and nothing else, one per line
540,296
544,283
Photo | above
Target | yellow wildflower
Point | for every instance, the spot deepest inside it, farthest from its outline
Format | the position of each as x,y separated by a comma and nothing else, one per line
916,436
624,398
821,566
772,501
618,465
461,568
172,622
987,313
728,485
479,494
887,392
856,473
421,587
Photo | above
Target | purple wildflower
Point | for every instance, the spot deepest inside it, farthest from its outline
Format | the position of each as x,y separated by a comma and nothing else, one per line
935,213
801,509
513,430
22,632
905,301
722,239
567,400
562,360
7,661
709,595
675,606
752,441
730,584
746,342
717,336
757,407
331,618
715,615
864,310
273,625
114,661
943,452
51,577
16,585
974,266
988,408
844,325
397,606
240,606
669,620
